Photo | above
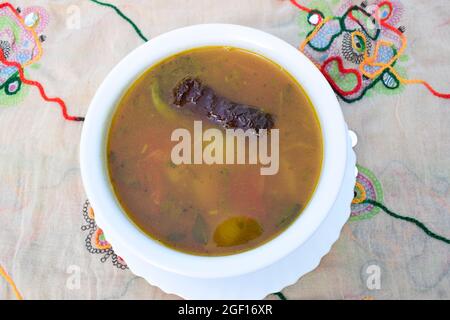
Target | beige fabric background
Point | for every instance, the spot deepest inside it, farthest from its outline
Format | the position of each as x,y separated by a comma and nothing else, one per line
404,139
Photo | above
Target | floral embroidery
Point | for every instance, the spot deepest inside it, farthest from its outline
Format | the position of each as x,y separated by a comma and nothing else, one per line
367,187
359,47
95,240
20,41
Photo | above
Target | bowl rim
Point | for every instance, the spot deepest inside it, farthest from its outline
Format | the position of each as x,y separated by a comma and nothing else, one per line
109,213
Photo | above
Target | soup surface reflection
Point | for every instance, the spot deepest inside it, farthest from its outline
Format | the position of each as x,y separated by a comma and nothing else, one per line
212,209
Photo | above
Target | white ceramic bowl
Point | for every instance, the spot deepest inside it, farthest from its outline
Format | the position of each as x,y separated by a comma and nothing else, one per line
112,219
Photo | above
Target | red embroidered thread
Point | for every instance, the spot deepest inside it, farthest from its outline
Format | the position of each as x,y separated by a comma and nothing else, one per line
432,90
298,5
40,88
343,71
391,9
10,6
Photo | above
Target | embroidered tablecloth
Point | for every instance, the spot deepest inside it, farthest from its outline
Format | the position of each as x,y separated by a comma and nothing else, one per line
50,246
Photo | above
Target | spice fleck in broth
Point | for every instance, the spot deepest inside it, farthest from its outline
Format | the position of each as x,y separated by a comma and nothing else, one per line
216,209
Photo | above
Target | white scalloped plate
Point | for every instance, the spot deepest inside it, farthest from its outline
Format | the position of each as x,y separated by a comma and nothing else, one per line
259,284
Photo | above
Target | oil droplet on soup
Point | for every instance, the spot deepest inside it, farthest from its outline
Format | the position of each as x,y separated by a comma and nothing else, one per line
212,209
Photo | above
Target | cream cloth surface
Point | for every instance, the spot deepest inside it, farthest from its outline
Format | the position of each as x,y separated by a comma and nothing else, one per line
403,138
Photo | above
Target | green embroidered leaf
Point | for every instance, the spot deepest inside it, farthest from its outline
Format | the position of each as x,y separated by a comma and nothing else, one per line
389,80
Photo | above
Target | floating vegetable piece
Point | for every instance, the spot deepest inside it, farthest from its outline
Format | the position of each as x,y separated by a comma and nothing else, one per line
193,95
236,231
200,230
289,214
159,104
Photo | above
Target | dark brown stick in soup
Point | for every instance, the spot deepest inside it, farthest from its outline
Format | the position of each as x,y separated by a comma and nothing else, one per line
201,99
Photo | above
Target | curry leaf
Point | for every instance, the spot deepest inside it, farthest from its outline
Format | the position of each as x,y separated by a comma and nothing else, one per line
289,215
200,230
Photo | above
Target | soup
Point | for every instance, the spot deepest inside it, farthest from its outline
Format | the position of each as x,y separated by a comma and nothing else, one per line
213,209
